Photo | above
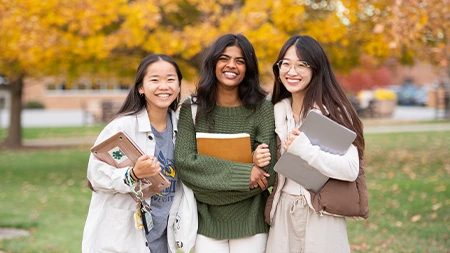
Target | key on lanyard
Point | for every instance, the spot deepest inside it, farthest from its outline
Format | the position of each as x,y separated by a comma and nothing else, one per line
146,216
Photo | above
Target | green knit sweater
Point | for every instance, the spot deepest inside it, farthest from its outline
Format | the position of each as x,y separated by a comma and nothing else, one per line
227,207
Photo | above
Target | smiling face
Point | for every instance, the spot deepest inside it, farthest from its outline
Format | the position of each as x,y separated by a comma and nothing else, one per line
295,82
230,68
160,85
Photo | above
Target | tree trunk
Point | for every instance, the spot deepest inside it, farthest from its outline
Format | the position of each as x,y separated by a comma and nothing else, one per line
14,138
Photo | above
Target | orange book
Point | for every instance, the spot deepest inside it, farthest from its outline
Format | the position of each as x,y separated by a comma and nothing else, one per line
233,147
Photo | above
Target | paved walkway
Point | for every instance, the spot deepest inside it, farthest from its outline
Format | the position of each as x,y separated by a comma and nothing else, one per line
60,142
9,233
371,127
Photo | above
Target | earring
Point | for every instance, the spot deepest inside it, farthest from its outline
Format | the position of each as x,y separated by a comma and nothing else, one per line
141,94
279,79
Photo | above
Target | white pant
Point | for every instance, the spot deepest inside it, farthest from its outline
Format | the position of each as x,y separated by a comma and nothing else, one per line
251,244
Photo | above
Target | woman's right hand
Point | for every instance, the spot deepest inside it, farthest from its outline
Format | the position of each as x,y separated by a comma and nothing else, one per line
261,155
146,166
291,137
258,177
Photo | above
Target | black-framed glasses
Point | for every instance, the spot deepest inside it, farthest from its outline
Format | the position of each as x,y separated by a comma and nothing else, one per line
299,66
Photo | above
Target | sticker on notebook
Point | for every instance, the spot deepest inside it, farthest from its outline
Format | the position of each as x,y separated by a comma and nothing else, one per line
118,155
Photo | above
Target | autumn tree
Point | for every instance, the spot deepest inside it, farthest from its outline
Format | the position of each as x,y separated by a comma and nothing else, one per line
69,38
413,29
107,39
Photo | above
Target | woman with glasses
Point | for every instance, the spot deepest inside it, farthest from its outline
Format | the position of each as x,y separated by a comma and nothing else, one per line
304,81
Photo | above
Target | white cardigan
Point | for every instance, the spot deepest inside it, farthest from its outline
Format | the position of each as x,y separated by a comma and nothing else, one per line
110,222
321,233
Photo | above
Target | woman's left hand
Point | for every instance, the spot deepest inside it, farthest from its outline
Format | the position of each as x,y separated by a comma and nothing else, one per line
258,177
291,137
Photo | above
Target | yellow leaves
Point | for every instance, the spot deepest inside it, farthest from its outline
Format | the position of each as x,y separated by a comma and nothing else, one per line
139,18
39,33
256,13
197,37
163,41
288,16
36,32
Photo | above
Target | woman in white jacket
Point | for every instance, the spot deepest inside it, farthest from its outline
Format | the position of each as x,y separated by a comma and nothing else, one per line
304,81
148,117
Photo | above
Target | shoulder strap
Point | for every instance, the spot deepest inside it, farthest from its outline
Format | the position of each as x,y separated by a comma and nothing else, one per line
194,111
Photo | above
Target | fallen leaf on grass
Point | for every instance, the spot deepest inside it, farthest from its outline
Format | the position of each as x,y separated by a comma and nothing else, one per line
393,203
362,247
440,188
416,218
432,216
395,188
390,174
436,206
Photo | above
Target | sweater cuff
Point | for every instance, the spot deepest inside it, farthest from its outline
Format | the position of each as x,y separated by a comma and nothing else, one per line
240,180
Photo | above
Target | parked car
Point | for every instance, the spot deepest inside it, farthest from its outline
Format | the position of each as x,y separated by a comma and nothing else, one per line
408,94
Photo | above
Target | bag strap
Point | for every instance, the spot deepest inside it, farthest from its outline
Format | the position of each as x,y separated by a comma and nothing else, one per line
194,111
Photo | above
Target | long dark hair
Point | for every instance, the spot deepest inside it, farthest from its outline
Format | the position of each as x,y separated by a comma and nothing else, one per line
134,102
324,90
250,92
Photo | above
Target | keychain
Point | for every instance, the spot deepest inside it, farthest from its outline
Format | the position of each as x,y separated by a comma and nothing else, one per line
143,217
146,215
137,216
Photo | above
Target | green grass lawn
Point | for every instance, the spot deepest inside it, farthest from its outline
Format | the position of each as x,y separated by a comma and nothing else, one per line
56,132
45,192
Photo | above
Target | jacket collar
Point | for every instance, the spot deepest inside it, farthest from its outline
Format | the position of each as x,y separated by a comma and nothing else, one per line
144,121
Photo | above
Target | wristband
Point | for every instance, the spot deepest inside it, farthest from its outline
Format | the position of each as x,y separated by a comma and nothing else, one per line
128,179
134,174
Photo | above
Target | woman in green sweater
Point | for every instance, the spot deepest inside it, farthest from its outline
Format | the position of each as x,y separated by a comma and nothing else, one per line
230,195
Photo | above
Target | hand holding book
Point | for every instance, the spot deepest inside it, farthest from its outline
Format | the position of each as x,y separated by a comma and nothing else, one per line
120,151
146,166
291,137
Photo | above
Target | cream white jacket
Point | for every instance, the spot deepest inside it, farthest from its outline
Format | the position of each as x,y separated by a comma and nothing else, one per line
325,233
110,223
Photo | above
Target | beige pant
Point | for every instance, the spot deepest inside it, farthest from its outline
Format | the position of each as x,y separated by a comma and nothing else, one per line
287,233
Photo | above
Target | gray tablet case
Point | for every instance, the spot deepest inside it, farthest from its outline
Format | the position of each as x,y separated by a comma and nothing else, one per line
329,136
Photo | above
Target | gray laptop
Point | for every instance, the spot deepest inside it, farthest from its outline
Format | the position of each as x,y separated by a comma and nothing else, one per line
329,136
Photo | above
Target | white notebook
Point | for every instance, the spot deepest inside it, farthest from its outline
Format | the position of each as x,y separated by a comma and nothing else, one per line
329,136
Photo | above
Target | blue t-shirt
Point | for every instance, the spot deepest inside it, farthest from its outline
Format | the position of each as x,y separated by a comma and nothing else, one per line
162,202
